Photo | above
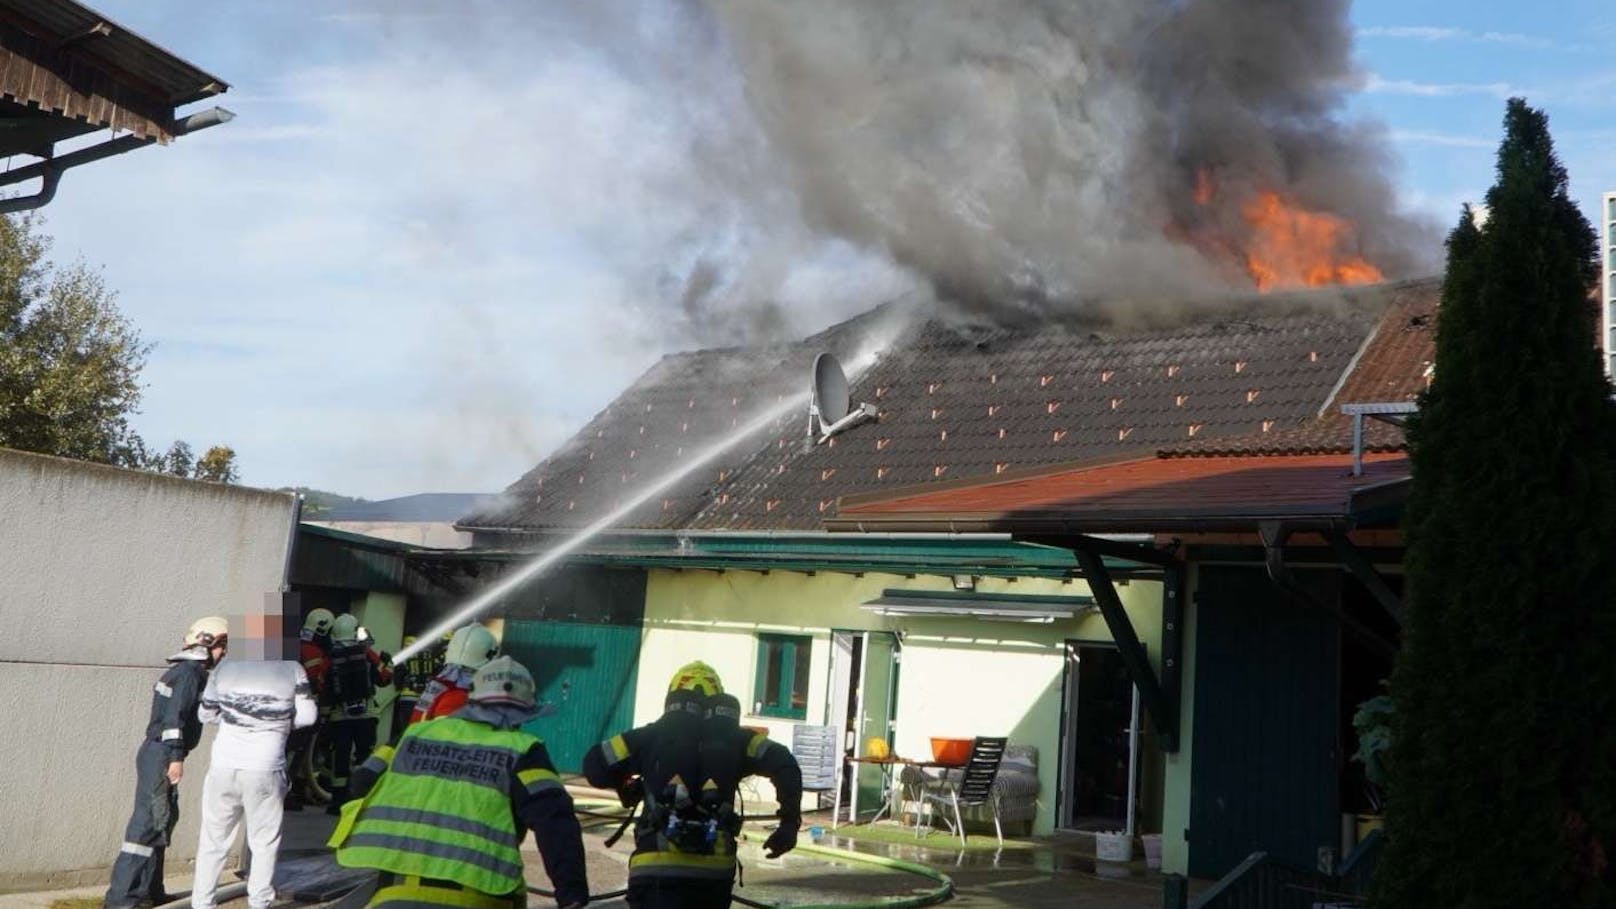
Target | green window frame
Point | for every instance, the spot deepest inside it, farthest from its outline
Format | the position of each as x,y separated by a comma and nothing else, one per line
780,687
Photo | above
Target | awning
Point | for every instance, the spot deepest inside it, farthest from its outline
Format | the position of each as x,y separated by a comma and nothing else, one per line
993,607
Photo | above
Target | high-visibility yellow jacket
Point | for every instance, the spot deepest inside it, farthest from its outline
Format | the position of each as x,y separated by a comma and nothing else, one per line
452,802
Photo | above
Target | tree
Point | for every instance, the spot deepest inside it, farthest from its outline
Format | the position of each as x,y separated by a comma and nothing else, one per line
69,362
70,365
1500,789
179,461
217,464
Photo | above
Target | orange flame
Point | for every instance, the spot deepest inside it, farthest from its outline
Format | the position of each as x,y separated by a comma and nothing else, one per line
1203,187
1293,247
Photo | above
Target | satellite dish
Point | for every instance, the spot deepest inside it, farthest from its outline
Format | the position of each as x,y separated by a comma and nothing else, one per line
830,389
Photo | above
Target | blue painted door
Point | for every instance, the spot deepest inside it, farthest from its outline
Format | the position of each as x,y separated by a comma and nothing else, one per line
1265,771
587,671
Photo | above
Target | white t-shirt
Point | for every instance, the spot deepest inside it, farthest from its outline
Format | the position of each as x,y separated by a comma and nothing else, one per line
256,704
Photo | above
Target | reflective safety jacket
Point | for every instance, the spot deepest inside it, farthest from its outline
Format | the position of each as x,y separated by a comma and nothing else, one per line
414,675
610,764
452,802
173,722
315,663
446,693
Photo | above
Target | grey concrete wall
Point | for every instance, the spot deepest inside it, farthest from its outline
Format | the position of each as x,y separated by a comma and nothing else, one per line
101,570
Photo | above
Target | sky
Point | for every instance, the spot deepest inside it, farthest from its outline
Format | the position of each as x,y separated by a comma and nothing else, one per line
432,246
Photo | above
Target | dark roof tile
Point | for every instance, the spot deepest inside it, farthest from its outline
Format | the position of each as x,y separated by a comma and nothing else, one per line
1008,399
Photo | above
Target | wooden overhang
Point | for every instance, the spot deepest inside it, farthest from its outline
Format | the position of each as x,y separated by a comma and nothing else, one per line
66,70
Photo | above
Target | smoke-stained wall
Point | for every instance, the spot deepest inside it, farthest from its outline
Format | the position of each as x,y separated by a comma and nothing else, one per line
101,572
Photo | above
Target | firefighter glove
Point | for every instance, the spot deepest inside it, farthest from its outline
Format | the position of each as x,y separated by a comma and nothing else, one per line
781,841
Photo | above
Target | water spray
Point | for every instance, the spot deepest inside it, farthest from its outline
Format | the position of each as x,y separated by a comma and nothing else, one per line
866,358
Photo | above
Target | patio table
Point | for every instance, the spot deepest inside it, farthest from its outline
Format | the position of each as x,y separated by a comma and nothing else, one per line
891,781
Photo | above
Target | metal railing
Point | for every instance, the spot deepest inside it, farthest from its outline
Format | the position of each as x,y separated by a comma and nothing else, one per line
1264,882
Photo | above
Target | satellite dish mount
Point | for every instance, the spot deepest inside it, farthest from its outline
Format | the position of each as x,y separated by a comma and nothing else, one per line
829,409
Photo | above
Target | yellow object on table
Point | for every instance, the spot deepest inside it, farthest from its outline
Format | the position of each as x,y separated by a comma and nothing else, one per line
875,747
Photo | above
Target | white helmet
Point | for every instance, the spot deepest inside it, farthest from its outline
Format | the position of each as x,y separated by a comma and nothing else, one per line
345,628
502,680
471,646
318,621
208,631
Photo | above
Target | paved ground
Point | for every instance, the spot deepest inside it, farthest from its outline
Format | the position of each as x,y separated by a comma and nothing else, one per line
1024,879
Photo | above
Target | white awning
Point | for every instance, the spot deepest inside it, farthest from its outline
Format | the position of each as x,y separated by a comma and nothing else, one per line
991,607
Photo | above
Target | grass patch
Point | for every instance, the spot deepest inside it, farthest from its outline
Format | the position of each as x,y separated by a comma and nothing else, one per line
935,838
77,902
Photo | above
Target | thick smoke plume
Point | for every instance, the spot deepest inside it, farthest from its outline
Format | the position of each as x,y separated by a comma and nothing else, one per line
1036,153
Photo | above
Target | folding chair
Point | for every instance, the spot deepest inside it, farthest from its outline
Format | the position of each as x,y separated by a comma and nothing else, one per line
970,786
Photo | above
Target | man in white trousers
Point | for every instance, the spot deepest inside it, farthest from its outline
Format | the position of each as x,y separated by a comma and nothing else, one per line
256,704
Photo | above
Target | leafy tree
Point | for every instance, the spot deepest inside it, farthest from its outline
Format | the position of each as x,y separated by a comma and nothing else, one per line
70,364
1500,785
217,464
69,361
179,461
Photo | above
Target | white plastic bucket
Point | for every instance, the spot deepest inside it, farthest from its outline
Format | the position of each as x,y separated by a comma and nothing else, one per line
1152,843
1115,846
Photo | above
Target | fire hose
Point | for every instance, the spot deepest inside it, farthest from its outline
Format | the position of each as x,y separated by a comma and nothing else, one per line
944,889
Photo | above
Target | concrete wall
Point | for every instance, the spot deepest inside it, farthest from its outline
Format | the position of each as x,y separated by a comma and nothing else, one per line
101,570
959,677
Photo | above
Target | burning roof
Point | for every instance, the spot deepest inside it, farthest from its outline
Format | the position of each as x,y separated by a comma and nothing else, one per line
957,405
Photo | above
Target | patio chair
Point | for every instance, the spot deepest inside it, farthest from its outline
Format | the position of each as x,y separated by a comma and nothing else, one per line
970,786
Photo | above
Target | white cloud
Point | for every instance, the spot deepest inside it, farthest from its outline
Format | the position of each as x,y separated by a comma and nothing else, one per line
1433,33
1449,140
1378,85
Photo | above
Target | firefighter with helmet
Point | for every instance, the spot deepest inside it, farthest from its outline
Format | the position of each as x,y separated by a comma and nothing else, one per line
468,650
411,679
356,669
314,652
686,767
171,732
443,815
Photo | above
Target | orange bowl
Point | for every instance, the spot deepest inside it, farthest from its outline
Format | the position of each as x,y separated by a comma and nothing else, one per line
951,751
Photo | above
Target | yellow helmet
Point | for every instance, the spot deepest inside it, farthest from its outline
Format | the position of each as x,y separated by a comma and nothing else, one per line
698,677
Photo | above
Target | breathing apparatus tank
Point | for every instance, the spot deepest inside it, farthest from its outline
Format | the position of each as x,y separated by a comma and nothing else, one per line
695,767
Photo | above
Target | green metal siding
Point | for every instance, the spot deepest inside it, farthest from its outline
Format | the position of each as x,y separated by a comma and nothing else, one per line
588,671
1266,703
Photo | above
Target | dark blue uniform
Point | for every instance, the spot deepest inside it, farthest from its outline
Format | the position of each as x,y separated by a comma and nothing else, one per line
172,732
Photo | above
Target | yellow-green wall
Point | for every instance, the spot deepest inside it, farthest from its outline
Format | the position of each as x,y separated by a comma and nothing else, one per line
959,677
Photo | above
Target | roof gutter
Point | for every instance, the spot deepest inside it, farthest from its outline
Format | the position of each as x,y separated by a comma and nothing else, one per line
49,171
638,533
1119,526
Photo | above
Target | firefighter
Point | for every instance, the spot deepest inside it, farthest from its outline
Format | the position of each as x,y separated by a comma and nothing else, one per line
171,733
688,764
314,652
443,815
356,669
411,679
469,649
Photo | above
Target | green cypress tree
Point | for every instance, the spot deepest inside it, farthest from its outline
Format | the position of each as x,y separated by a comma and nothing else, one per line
1499,791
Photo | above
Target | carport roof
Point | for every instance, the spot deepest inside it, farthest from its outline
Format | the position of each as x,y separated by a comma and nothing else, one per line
1147,494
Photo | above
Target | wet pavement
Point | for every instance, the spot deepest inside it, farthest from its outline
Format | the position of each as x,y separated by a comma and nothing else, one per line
1046,875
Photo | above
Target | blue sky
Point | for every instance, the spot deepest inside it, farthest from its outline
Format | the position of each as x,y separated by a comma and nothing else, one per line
406,269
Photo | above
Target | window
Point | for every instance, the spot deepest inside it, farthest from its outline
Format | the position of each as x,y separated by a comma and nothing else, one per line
781,687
